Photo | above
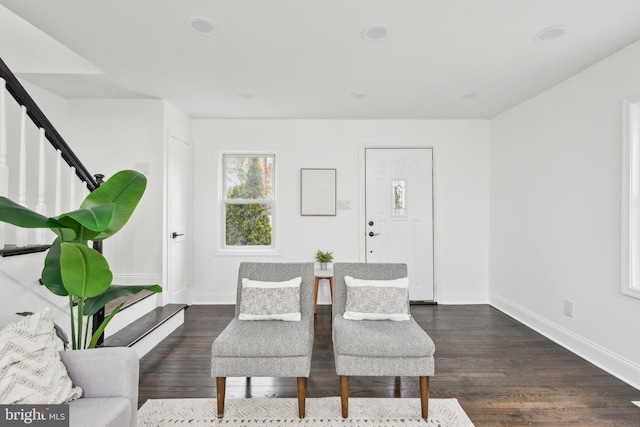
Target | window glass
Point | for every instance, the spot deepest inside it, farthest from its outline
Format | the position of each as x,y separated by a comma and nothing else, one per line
248,200
248,177
399,194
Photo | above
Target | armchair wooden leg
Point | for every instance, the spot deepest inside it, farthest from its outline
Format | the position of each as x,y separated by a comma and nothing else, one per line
221,383
331,289
302,395
424,396
344,395
315,303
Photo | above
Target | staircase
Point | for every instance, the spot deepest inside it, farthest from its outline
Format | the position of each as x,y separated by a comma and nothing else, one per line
144,322
142,332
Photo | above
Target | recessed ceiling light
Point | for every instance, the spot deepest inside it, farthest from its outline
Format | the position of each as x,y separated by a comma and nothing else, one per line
470,95
358,95
202,26
245,95
376,33
550,34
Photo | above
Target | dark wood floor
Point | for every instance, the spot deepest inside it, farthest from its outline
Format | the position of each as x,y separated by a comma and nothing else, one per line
502,373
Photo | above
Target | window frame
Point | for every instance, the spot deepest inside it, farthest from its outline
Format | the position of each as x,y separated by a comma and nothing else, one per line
630,196
224,201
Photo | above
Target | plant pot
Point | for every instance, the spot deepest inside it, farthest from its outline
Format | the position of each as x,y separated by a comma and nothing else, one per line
323,266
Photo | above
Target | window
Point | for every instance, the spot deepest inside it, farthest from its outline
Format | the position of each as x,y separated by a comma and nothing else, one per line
631,196
248,200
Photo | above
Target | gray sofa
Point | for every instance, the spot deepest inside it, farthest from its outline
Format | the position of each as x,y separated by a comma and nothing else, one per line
109,380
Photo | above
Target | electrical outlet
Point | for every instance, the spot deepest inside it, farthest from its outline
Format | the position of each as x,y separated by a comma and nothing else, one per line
568,308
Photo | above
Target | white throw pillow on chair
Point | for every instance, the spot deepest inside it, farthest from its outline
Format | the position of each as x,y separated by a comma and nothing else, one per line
270,300
377,299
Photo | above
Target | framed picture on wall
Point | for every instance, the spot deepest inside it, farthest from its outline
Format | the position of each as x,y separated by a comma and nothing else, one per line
318,192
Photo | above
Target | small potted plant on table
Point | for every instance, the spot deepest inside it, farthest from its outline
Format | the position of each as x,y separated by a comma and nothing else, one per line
323,258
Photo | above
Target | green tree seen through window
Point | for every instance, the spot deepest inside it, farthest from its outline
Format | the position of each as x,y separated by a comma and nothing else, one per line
249,224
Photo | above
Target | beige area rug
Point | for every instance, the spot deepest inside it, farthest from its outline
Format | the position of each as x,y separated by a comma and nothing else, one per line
320,412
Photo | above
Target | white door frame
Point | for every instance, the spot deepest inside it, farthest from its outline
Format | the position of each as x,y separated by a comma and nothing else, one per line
362,242
166,238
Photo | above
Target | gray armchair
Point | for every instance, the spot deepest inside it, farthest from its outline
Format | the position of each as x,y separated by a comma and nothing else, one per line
378,347
109,380
267,348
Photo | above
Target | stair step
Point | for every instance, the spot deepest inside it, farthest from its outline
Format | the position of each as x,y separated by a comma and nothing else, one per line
128,301
13,250
135,306
142,327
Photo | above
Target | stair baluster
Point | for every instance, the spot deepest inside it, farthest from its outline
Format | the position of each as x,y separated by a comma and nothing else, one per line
22,233
72,189
41,207
4,167
58,192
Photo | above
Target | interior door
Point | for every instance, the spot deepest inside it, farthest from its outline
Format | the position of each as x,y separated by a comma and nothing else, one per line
399,213
179,167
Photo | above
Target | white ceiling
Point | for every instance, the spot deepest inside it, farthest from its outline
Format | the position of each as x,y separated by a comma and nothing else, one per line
306,58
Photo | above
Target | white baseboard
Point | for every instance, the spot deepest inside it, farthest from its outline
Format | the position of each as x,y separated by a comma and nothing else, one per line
203,298
460,299
618,366
147,343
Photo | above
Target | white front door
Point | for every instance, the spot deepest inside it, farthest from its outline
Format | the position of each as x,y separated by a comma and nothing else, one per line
179,162
399,213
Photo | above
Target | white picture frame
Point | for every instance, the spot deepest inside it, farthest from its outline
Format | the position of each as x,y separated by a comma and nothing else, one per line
318,192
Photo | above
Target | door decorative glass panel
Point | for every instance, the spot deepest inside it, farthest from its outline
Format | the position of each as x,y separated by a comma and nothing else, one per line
399,197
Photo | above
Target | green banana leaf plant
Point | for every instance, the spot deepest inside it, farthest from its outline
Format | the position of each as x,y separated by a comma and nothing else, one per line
71,267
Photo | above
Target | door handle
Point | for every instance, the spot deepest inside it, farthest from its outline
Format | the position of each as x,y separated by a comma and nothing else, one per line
174,235
371,234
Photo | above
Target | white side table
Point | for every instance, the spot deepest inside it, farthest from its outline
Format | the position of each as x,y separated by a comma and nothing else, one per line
323,274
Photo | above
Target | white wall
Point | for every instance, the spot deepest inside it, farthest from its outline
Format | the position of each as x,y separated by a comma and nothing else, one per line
115,134
555,214
176,121
21,290
52,105
461,152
